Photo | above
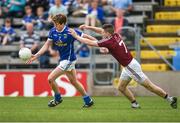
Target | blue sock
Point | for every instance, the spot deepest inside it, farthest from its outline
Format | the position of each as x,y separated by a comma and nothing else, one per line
86,99
57,96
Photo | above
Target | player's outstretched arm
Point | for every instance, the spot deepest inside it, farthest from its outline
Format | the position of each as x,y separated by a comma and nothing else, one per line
83,40
88,37
102,49
95,29
40,52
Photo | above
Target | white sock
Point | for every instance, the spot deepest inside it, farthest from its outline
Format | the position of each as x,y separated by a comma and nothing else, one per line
169,99
135,105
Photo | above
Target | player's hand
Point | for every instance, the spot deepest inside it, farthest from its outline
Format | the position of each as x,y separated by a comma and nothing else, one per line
72,32
82,27
104,50
33,58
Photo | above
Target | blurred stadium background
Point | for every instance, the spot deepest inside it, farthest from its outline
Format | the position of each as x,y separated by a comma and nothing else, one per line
151,31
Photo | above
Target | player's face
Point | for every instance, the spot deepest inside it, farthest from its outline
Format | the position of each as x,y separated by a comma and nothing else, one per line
59,27
106,34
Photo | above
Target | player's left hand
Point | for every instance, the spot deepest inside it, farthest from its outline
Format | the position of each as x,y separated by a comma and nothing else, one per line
33,58
104,50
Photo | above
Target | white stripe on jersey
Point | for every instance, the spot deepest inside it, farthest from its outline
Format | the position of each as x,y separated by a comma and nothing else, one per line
70,53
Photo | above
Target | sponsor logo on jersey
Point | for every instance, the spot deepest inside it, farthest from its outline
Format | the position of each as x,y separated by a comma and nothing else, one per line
60,43
65,35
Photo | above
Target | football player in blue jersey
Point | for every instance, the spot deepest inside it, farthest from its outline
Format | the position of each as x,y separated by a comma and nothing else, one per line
63,42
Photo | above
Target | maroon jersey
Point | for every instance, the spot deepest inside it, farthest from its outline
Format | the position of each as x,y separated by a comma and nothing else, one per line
117,48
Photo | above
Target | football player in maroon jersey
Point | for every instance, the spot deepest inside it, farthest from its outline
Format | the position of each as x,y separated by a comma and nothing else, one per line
113,43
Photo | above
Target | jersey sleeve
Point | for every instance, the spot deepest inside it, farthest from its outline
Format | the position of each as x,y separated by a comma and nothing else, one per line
50,36
78,32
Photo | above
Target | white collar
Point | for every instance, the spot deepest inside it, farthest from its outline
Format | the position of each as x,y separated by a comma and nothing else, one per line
62,29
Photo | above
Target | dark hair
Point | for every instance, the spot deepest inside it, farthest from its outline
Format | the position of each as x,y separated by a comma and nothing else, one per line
108,28
60,19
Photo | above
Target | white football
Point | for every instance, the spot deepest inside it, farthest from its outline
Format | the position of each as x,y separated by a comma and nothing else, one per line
25,54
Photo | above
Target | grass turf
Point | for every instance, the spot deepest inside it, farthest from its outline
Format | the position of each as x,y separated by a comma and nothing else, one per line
105,109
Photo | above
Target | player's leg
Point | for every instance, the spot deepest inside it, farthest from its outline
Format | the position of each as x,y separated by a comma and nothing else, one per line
153,88
72,78
122,87
51,79
160,92
135,71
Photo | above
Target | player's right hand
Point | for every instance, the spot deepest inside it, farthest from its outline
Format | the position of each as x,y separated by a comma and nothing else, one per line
82,27
33,58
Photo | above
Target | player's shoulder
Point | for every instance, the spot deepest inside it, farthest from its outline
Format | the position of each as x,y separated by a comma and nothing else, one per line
117,37
66,29
109,39
52,29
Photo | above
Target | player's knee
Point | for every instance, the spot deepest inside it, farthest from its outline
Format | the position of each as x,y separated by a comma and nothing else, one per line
121,88
73,82
50,79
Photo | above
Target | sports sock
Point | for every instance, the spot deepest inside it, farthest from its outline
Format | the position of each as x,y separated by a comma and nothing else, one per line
86,99
57,96
168,98
134,102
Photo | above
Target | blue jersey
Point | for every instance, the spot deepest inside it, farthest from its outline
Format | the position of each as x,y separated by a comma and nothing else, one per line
64,43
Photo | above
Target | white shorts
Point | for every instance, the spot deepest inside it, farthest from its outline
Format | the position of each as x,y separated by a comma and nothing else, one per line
133,71
66,65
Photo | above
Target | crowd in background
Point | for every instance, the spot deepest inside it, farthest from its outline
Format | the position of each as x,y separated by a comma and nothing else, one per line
36,15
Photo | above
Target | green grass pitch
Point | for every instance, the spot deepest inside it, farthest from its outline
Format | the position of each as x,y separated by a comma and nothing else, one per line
105,109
